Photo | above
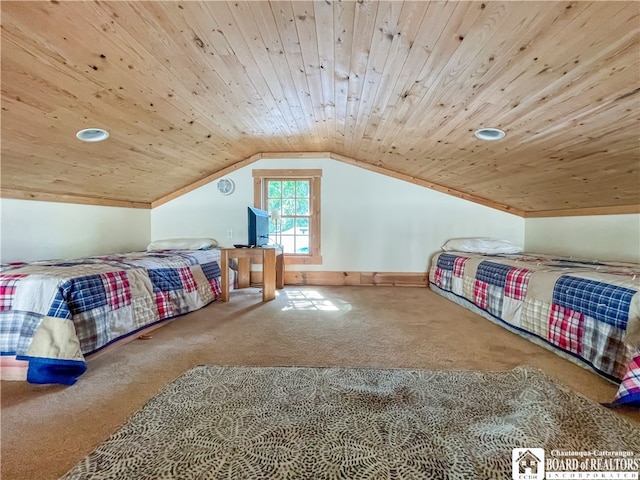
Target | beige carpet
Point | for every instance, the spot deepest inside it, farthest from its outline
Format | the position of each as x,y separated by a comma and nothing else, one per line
47,430
230,423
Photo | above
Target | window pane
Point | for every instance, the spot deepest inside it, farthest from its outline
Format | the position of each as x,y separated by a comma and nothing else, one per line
287,226
302,226
302,207
288,243
302,189
289,189
274,204
274,188
289,207
302,243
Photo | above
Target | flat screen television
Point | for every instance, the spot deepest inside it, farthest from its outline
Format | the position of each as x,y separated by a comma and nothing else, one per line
258,223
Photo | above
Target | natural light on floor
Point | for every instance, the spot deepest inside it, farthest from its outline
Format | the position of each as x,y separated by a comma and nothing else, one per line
312,300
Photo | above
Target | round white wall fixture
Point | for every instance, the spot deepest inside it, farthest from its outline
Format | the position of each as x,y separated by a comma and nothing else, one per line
490,134
92,135
226,186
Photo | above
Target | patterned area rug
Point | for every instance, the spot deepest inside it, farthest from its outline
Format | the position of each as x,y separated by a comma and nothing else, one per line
351,423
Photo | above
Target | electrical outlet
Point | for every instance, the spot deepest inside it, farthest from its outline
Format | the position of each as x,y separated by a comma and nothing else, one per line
229,233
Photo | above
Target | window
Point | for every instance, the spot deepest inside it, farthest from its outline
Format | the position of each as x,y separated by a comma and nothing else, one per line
296,195
291,199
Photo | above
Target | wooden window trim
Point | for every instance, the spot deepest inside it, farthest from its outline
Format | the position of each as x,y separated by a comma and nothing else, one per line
260,176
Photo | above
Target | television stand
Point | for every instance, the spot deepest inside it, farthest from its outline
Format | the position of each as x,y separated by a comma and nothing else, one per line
272,269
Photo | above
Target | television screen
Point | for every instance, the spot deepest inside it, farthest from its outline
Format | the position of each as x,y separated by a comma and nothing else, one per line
258,227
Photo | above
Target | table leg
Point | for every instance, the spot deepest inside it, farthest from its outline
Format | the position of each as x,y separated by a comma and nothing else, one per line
244,272
280,271
268,274
224,267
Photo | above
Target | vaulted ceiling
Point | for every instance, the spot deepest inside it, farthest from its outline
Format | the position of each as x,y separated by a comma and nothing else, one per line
187,89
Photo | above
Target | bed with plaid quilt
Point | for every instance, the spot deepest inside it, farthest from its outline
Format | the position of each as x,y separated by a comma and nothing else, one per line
586,311
55,313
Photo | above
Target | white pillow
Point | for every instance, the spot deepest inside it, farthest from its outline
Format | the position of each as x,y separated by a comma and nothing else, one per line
182,244
480,245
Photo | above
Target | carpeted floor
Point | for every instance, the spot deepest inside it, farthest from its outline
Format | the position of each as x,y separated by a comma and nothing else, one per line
279,423
48,429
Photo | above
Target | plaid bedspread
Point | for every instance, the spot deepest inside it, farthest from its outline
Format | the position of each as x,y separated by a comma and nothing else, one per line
53,313
588,310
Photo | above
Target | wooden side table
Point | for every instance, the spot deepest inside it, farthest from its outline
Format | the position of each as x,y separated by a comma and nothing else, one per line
272,269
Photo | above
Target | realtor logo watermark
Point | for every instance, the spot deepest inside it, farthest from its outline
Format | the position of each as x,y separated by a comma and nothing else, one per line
528,463
533,464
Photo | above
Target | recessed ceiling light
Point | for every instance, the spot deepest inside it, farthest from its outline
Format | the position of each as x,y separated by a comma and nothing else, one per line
92,135
489,134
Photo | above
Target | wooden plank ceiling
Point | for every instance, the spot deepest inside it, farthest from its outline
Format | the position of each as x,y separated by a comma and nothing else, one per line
188,89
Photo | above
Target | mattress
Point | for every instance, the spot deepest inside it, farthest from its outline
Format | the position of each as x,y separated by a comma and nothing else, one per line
55,313
586,310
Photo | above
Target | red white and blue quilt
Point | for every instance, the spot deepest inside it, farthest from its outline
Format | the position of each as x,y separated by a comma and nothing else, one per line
54,313
588,310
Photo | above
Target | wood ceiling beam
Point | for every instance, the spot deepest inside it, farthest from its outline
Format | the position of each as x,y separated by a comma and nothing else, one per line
77,199
581,212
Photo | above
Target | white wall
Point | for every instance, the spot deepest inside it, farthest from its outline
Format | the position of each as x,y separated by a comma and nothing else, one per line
370,222
33,230
600,237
